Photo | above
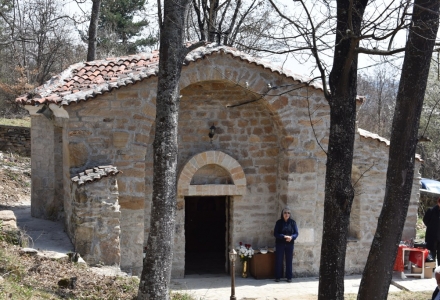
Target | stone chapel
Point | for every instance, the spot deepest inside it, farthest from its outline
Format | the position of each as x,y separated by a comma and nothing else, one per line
92,132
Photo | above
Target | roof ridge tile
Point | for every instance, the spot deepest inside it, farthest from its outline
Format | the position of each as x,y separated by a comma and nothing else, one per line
94,174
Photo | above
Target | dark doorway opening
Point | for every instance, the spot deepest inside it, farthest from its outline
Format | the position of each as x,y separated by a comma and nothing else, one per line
206,235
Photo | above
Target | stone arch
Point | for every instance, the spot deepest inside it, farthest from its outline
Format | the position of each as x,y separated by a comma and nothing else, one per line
184,187
254,78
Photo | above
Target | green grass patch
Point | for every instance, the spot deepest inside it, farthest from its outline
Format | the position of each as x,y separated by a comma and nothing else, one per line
24,122
11,267
181,296
420,230
17,291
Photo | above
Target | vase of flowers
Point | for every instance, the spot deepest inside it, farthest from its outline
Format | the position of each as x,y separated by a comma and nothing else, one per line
245,253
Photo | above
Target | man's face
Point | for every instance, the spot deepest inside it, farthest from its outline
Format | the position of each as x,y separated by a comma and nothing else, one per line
438,202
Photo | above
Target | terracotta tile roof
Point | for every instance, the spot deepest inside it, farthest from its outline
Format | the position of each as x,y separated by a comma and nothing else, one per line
86,80
369,135
94,174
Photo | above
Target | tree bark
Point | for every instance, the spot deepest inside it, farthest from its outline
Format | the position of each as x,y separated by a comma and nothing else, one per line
156,272
379,268
93,30
212,21
338,189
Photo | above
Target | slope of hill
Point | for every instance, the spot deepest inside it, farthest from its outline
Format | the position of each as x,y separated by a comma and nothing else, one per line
15,180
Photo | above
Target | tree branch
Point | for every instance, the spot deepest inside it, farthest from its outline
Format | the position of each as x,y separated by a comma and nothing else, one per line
378,52
159,15
193,46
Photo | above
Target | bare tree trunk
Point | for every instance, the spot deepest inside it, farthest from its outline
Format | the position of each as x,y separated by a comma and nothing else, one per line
338,189
156,272
212,21
200,22
379,268
93,30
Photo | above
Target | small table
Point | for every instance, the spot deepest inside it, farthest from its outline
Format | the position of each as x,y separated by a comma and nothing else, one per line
262,266
416,256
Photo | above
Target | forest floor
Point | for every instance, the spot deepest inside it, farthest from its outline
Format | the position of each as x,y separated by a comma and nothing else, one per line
24,276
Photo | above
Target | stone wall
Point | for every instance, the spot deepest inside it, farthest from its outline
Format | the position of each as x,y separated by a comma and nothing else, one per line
272,139
94,222
370,165
113,129
15,139
47,166
249,135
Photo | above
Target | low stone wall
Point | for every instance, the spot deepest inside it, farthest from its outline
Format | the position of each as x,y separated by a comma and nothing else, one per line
15,139
8,219
93,222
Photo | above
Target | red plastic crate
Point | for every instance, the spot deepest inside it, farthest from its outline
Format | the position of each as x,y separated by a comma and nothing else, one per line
418,257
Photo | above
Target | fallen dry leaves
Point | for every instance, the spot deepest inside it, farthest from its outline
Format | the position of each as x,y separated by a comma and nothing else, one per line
43,274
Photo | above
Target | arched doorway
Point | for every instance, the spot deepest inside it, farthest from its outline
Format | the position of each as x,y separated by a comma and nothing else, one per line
207,186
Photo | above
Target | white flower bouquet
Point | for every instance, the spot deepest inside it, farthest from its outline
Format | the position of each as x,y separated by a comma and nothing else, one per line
245,252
